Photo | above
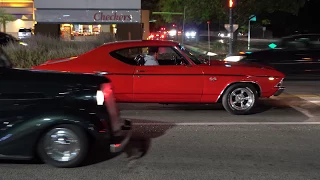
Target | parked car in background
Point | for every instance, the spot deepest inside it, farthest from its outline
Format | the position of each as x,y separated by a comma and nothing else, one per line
179,77
24,33
6,39
57,116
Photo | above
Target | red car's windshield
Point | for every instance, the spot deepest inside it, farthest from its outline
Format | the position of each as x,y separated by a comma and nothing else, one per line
190,55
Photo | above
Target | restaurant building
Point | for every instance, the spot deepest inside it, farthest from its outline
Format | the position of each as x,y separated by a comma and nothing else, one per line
72,19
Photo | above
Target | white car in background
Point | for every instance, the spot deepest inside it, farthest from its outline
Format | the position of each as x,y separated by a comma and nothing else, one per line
24,33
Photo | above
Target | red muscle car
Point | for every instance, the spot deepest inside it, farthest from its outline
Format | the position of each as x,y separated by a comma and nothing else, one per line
175,76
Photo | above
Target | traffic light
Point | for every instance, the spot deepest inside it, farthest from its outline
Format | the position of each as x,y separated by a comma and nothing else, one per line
231,4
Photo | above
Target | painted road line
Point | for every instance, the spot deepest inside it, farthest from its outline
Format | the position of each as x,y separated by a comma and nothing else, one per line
312,98
303,111
225,123
299,95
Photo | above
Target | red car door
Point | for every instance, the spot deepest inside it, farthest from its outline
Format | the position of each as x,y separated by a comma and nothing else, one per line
168,83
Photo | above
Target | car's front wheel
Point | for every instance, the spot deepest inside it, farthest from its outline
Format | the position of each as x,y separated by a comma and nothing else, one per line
240,99
63,146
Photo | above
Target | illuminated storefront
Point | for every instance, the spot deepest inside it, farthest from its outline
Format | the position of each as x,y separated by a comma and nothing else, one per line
91,17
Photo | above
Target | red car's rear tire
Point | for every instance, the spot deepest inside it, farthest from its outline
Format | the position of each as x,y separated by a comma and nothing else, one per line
240,98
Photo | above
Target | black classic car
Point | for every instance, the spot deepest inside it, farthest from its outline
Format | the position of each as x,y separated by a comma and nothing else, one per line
56,116
298,56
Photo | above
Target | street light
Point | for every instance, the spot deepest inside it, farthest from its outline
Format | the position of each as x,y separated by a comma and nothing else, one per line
209,48
231,5
184,21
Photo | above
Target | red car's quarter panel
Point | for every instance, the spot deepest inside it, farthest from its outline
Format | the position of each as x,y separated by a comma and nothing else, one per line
168,84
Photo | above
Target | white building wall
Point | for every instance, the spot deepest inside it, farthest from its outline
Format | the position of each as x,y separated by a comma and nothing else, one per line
13,27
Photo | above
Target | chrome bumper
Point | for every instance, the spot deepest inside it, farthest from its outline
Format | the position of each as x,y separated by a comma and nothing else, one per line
120,142
279,91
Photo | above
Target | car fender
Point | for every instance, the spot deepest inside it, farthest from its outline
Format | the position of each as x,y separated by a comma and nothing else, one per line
256,85
24,134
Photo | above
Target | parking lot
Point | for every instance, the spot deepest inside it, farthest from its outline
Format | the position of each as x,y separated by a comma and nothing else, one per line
279,141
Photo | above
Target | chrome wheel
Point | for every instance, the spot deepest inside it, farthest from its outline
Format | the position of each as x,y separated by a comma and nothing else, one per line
61,144
241,99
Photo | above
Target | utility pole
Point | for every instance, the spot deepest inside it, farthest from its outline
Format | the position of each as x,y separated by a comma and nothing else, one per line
251,18
184,21
209,45
231,26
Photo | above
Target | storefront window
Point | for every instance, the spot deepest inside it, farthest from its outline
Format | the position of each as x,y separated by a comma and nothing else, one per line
86,30
68,30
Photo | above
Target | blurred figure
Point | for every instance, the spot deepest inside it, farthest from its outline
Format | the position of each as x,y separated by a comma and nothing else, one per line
151,57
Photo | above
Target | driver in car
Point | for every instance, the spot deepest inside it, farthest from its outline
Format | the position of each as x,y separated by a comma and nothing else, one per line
151,57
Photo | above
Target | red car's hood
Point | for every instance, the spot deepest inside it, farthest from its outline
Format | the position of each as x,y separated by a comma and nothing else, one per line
240,68
236,64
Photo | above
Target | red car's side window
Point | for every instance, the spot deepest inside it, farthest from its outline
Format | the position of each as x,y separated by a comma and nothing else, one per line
163,55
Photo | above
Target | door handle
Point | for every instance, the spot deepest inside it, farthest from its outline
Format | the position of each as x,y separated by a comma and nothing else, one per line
140,71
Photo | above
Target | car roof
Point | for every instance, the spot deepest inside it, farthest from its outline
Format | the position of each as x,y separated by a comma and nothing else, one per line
142,43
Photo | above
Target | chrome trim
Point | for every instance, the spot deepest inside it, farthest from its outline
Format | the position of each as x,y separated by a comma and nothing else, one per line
279,91
101,72
238,82
279,84
14,157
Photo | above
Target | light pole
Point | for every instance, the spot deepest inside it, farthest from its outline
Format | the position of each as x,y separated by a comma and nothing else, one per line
208,22
184,21
231,26
249,34
251,18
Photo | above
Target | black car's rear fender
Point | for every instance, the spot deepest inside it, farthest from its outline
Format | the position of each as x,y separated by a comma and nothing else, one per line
22,137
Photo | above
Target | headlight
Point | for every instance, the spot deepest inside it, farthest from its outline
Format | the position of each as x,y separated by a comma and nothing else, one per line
100,98
172,32
191,34
233,58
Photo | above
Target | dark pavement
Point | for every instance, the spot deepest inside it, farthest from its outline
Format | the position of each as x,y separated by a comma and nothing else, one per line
280,141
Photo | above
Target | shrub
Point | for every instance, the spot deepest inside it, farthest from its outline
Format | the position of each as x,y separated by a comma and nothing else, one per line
43,48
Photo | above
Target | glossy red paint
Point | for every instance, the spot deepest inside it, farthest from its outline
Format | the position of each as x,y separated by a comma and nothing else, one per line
190,83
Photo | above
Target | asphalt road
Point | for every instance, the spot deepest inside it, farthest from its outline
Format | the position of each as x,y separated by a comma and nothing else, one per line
280,141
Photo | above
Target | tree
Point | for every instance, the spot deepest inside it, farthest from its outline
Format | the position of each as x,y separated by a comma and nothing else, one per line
197,11
5,18
217,10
